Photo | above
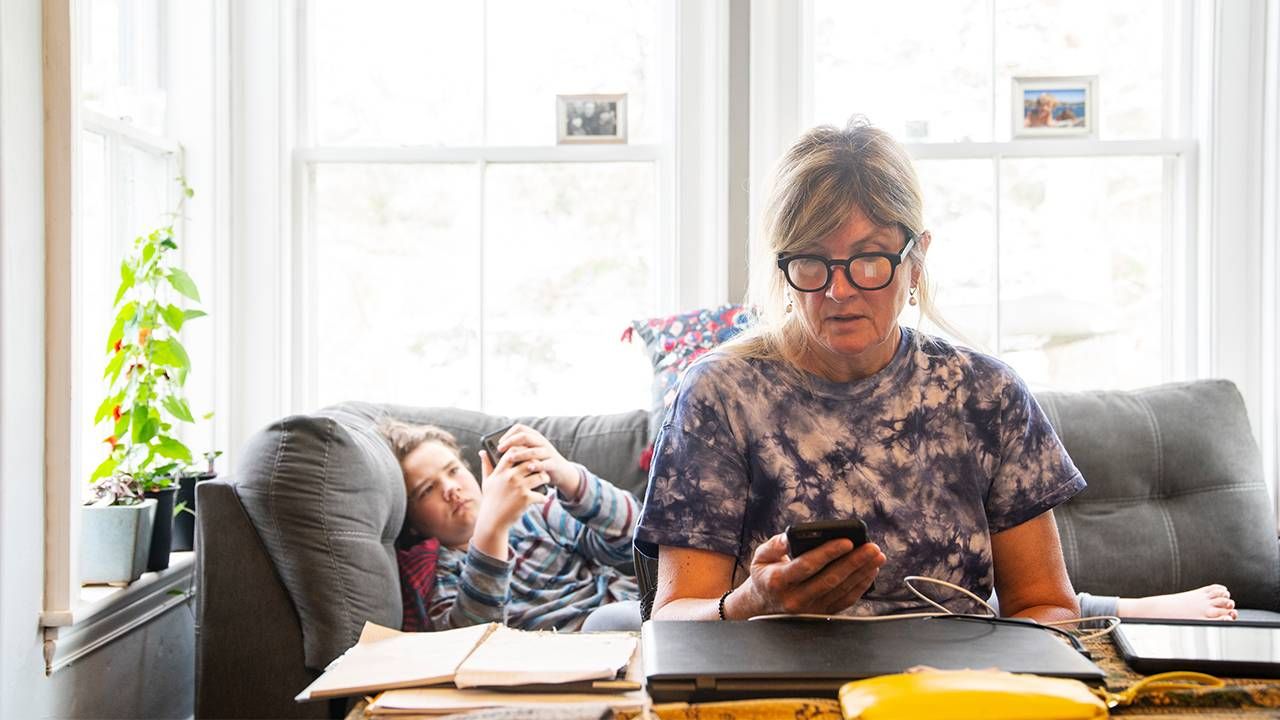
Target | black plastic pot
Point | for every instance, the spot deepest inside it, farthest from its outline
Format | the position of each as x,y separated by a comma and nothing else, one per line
162,531
184,523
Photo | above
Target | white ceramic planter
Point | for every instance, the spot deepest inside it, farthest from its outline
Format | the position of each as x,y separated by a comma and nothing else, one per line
114,541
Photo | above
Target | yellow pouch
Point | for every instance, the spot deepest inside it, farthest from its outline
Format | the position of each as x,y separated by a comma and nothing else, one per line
962,694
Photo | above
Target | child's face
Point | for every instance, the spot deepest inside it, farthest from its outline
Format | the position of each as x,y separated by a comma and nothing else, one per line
443,496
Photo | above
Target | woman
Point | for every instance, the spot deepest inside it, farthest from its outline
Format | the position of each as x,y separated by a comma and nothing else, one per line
830,409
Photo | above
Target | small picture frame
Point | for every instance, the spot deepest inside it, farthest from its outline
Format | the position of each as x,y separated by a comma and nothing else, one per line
1055,106
591,119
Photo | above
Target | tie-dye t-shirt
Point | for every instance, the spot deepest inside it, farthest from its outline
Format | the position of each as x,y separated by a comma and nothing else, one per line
940,449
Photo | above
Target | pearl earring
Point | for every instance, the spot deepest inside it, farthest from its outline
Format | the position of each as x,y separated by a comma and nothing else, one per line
912,294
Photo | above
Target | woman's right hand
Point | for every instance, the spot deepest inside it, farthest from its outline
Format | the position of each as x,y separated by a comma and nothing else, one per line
825,580
507,491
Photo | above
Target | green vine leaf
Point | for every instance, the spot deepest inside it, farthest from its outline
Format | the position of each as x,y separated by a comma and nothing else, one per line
113,367
126,282
183,283
173,449
174,317
104,409
138,422
178,408
193,314
122,425
105,468
169,352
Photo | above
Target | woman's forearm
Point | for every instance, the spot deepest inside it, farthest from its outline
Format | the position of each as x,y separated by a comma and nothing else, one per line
689,609
1049,613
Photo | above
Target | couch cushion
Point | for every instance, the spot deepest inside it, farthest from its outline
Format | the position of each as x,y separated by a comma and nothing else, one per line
1176,497
609,445
326,496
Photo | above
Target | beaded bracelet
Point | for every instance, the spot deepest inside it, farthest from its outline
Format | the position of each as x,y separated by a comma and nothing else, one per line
722,598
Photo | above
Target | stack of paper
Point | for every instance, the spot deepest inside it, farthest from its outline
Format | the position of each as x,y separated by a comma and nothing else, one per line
561,667
445,700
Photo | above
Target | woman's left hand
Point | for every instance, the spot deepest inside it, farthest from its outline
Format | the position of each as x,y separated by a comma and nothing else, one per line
564,475
825,580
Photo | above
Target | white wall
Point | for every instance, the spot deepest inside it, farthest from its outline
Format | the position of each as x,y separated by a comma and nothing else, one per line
147,673
21,352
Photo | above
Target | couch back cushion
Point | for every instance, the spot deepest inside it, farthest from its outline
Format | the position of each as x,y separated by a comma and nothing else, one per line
610,445
1176,496
326,496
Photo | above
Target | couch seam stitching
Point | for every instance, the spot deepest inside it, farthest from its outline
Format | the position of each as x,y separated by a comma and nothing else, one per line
324,524
1134,499
1159,486
275,473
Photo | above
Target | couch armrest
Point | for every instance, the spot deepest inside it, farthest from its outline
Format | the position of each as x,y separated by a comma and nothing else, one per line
249,661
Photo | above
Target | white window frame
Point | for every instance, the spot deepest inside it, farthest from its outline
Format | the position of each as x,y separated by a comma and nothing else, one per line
692,267
1221,313
77,620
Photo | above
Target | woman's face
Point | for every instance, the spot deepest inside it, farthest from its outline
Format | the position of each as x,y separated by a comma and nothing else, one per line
854,331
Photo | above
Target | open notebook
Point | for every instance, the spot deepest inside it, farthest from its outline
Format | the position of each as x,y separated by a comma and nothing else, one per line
708,661
480,656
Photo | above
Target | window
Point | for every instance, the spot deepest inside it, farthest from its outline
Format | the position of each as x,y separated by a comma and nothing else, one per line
141,103
451,253
128,160
1060,255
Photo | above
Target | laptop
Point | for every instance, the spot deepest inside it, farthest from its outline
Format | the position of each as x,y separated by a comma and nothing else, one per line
689,661
1227,649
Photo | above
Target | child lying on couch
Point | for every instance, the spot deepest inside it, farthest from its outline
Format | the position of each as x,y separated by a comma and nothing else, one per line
507,553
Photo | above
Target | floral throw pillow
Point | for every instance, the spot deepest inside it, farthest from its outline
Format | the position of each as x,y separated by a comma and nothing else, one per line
674,342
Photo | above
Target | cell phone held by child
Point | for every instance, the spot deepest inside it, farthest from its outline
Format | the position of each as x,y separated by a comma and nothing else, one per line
489,443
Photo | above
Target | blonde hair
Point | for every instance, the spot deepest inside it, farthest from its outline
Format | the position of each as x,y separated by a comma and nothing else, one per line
824,177
404,437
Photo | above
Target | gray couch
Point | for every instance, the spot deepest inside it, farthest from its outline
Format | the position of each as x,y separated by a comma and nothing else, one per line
294,551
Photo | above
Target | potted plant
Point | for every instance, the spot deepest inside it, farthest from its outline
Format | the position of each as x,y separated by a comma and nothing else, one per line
184,511
146,370
115,531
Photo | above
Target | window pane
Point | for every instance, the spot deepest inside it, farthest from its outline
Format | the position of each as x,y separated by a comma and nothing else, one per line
392,72
1082,246
120,61
918,80
537,50
958,197
147,180
99,270
570,252
396,302
1120,42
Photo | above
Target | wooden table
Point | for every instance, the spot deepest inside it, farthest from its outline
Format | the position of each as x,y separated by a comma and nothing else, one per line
1241,698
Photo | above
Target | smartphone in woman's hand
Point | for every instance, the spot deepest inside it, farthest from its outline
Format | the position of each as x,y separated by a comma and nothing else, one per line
803,537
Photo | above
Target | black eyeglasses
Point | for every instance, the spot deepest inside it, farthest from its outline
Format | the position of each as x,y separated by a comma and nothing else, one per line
865,271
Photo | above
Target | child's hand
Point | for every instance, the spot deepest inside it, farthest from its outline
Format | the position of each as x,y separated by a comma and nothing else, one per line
506,492
564,475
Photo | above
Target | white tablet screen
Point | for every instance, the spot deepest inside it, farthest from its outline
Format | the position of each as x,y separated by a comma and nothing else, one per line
1220,642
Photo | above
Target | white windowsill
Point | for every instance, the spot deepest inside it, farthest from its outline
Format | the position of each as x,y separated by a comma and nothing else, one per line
105,613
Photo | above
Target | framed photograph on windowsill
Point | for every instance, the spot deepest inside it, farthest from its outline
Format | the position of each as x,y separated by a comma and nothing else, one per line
1055,106
591,119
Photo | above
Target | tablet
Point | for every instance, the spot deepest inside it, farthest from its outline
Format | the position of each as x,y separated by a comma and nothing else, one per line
1226,649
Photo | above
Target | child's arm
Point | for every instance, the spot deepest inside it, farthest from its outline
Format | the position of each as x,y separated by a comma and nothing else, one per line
478,594
601,519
